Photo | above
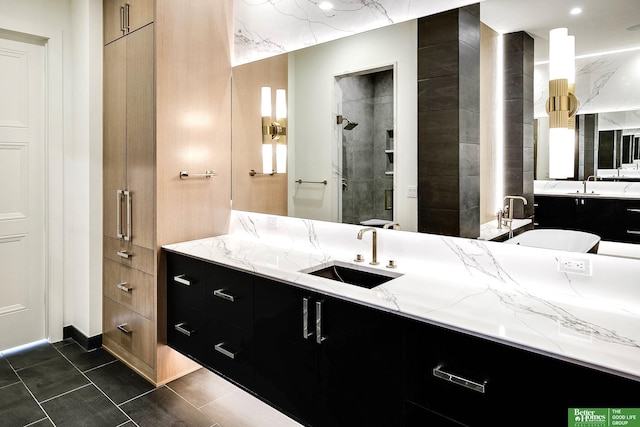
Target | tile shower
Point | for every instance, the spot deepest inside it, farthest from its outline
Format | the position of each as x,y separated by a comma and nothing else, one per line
367,149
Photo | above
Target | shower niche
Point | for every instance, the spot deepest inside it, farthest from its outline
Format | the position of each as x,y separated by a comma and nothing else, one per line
365,147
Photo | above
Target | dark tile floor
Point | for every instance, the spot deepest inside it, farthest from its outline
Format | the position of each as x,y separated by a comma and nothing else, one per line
61,384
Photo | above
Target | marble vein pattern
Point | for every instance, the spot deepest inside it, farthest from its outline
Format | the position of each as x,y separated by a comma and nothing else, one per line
264,28
601,189
510,294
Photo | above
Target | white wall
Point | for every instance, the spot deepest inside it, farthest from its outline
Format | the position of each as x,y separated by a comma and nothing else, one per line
312,116
74,153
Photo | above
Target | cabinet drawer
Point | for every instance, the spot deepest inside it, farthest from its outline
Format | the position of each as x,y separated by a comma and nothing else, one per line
133,335
186,330
128,254
186,281
230,297
229,350
466,378
128,287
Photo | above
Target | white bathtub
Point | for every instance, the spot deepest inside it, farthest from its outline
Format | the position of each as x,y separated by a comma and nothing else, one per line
562,240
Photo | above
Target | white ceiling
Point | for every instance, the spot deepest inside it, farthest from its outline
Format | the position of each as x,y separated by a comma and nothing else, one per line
601,27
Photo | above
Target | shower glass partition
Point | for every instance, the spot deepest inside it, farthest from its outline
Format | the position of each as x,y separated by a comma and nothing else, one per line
365,146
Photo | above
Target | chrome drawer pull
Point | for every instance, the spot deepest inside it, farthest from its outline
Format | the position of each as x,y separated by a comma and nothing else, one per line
127,195
124,254
123,328
181,279
633,210
123,287
633,232
220,294
438,373
180,327
305,319
220,349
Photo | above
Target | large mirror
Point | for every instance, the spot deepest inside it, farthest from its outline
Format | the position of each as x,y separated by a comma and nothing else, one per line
606,83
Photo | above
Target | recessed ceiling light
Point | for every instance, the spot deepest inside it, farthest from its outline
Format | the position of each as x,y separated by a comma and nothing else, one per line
576,11
325,5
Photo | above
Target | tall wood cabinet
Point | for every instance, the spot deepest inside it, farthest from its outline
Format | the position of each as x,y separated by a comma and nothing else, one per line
167,107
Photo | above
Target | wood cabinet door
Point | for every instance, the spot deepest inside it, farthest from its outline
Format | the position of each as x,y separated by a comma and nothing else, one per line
113,18
114,136
284,360
140,13
140,154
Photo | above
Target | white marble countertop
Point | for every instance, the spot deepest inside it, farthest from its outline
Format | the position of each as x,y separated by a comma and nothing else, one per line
597,189
506,293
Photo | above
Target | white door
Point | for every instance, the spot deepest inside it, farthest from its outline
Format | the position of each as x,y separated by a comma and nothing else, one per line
22,192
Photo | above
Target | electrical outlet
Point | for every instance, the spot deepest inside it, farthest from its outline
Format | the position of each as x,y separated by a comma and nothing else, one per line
412,191
272,221
575,265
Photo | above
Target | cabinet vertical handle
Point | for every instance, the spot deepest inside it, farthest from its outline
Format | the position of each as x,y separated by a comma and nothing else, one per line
220,349
126,16
123,328
127,195
181,278
123,287
119,214
180,327
455,379
305,319
122,19
319,337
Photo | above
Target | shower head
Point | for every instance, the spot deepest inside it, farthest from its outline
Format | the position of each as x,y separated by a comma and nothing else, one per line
350,125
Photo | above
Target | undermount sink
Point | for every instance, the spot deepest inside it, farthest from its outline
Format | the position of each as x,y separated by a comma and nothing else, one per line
357,275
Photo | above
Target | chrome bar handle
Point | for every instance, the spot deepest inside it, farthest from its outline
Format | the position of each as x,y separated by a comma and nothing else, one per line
220,349
182,279
455,379
127,195
305,319
180,327
633,232
634,210
206,174
119,214
122,19
126,15
319,337
221,294
124,254
123,328
123,287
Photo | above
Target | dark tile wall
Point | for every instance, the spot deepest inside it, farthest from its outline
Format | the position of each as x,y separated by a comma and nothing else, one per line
606,145
587,129
518,120
449,122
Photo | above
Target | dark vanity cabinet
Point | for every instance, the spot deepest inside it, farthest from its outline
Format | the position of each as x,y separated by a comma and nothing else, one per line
326,361
615,220
329,362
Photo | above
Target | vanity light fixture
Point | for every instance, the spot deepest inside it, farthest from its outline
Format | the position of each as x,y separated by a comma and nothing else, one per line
562,104
274,132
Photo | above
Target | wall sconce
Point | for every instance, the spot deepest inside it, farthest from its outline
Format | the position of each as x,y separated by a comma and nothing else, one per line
562,104
274,132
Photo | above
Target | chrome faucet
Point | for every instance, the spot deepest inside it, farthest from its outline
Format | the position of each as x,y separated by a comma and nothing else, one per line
393,225
584,183
508,212
374,254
